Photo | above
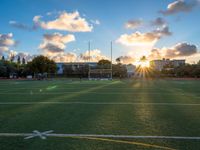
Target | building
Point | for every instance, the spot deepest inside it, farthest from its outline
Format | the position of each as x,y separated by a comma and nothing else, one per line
177,63
160,64
130,70
73,66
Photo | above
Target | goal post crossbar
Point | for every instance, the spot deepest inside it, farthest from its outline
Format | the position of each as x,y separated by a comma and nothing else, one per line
100,74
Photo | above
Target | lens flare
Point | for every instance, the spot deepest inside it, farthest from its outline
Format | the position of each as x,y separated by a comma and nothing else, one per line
142,64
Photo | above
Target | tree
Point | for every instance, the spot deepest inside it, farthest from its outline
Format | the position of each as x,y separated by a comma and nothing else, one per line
118,60
18,60
23,61
12,57
3,58
104,64
198,62
119,70
42,64
143,58
3,69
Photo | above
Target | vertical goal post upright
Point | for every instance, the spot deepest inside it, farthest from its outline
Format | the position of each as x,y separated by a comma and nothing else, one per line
111,47
89,60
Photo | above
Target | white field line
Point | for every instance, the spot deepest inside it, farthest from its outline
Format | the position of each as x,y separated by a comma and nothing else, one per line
75,87
98,136
98,103
102,93
82,88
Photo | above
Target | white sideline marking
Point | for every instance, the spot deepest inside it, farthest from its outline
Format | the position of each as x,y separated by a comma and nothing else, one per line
98,103
81,92
45,134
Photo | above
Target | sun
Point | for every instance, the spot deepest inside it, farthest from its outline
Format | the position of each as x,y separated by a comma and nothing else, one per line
143,64
143,68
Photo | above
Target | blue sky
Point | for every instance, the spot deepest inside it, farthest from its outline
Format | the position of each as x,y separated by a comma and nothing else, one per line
113,15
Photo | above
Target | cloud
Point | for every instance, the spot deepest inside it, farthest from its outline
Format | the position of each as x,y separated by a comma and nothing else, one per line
138,38
10,53
132,24
65,57
6,41
162,32
72,22
179,6
94,56
55,43
22,26
51,48
126,59
97,22
59,38
158,22
193,58
141,39
180,50
28,57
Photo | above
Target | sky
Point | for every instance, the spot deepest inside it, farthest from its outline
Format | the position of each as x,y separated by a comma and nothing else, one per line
61,29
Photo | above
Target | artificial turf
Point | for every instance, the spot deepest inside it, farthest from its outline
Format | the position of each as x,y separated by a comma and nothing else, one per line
126,107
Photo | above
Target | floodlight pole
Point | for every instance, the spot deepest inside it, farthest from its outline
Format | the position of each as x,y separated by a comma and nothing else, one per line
111,59
89,59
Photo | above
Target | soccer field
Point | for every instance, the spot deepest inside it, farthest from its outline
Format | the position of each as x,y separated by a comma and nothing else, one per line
99,115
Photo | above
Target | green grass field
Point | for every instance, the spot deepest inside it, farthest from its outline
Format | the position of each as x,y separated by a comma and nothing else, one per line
168,108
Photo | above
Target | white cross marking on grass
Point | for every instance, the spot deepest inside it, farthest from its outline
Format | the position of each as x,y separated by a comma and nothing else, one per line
36,133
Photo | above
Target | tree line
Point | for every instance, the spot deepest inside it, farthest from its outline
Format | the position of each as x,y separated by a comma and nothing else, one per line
41,65
20,68
188,71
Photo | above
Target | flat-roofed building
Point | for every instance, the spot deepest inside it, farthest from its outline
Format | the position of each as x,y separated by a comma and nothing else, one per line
160,64
130,70
73,66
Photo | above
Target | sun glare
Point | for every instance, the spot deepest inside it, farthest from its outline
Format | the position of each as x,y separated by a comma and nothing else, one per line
142,64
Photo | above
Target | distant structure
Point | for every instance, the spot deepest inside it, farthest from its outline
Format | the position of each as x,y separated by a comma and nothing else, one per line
160,64
73,66
131,69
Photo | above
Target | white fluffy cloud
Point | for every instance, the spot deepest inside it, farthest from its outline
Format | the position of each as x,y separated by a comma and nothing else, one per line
179,6
138,38
180,50
132,24
126,59
94,56
55,43
6,42
28,57
72,22
53,46
142,39
65,57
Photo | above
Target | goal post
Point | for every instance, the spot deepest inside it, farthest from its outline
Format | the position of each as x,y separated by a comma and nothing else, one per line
100,74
